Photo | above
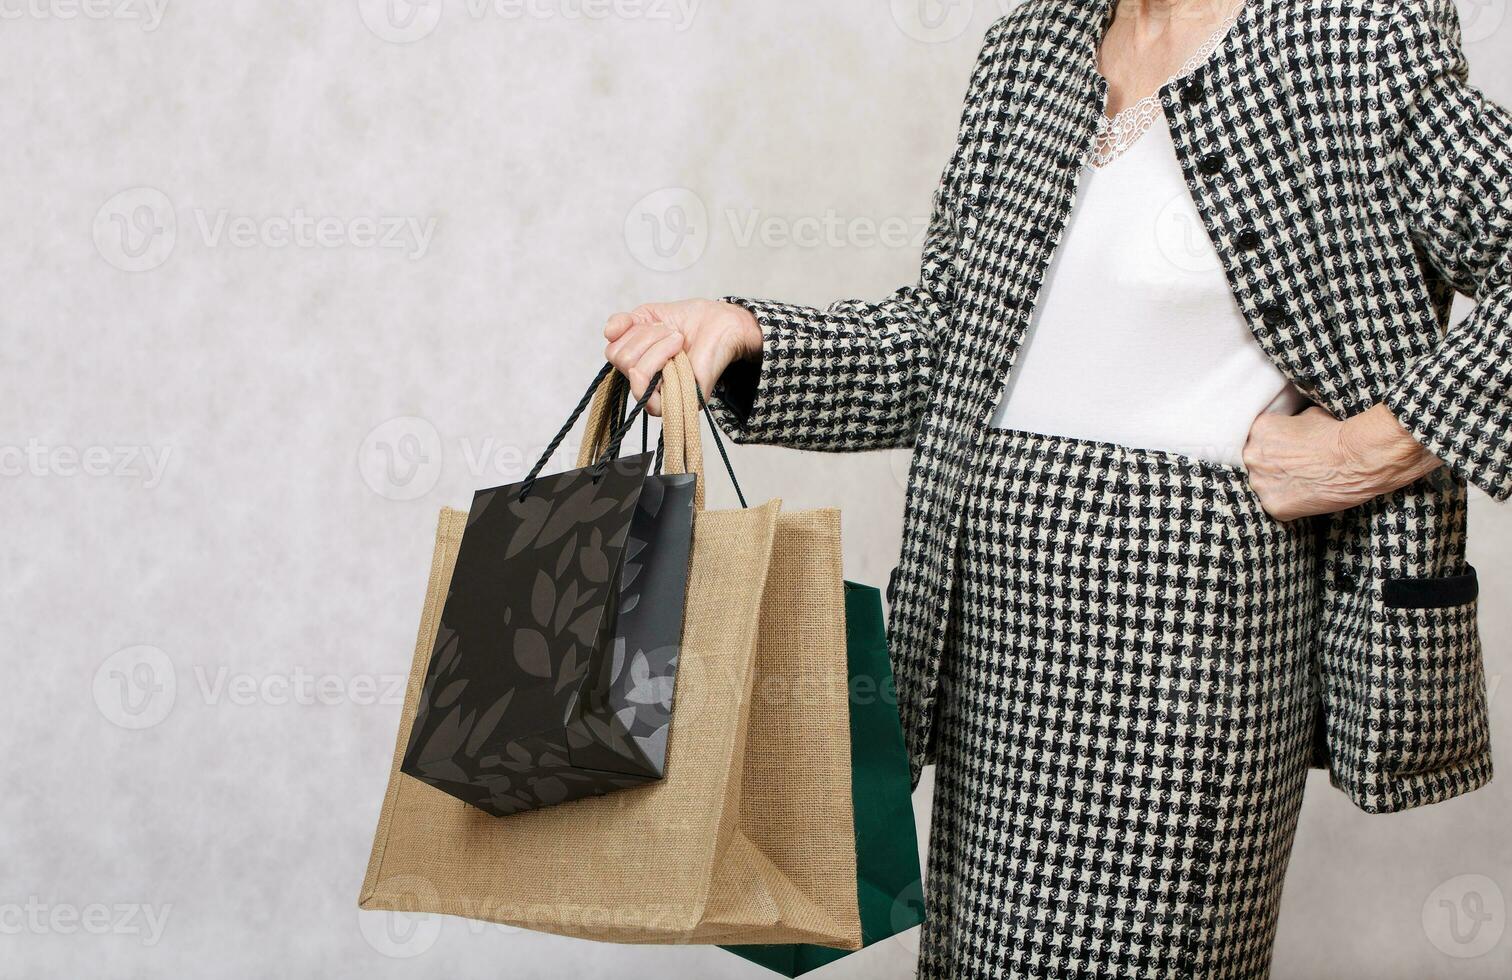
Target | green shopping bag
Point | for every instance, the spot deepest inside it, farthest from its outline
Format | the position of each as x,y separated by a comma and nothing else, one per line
888,886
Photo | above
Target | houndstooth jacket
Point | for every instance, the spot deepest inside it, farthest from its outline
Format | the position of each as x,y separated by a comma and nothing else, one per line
1351,181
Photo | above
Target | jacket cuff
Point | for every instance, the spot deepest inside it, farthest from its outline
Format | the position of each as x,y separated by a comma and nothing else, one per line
1443,402
748,399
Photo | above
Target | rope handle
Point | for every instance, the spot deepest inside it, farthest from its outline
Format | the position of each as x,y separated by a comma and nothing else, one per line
618,432
608,424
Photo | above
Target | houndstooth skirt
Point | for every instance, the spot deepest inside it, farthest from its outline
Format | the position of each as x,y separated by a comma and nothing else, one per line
1125,718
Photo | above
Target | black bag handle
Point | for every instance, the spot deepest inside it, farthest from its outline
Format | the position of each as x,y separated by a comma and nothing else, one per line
719,444
582,406
621,424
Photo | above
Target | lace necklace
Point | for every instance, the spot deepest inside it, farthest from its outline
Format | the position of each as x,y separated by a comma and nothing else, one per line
1116,134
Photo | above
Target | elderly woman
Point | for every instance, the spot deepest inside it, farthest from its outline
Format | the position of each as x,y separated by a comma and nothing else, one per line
1192,440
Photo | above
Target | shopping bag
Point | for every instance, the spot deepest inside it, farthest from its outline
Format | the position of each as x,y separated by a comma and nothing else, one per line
889,886
750,835
553,667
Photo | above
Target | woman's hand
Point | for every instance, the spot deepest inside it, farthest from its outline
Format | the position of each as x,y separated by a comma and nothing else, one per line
713,334
1307,464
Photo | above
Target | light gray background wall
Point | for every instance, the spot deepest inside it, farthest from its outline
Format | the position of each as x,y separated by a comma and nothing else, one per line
224,445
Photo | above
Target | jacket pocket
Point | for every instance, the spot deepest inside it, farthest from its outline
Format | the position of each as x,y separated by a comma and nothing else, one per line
1434,699
1432,593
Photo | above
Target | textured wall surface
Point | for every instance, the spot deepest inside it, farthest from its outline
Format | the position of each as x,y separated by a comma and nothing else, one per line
280,280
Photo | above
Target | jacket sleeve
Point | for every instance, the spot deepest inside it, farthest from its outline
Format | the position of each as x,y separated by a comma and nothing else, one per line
858,375
1451,159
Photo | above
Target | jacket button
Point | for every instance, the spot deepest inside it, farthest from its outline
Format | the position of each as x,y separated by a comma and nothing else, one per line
1346,581
1274,315
1193,91
1211,164
1247,241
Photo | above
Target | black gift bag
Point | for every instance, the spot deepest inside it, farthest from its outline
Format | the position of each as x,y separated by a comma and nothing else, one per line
555,659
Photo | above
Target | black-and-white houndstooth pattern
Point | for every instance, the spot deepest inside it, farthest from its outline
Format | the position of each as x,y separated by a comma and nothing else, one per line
1350,180
1126,712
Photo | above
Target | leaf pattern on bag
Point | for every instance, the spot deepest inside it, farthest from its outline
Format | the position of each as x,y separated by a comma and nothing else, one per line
445,739
595,565
543,598
533,695
531,514
451,694
645,687
531,653
566,605
565,558
488,722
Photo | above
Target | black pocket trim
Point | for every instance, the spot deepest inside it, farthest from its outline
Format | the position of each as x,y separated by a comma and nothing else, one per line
1431,593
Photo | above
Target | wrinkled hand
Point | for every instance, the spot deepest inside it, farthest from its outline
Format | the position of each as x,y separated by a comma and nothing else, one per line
1308,464
714,334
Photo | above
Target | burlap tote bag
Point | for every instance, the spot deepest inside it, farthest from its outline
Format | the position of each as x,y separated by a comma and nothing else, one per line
750,836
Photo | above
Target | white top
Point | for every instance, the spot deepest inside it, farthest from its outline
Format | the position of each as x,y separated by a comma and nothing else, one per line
1137,339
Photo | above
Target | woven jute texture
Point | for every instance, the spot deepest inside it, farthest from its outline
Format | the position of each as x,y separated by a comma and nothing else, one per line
749,838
